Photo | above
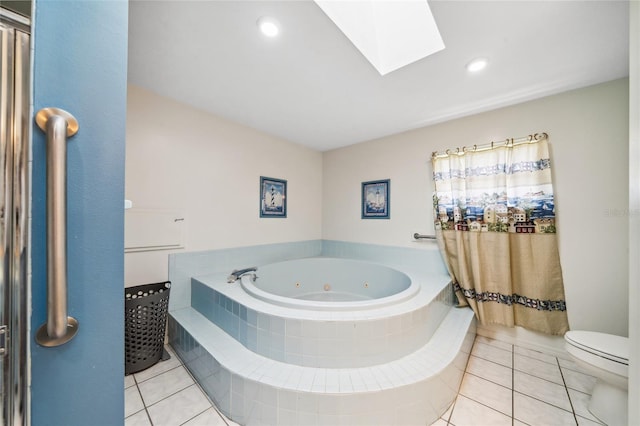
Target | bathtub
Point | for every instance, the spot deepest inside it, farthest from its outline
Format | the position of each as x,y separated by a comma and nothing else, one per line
329,284
325,341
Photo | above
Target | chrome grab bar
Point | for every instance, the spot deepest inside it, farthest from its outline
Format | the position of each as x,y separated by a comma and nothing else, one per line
423,237
59,328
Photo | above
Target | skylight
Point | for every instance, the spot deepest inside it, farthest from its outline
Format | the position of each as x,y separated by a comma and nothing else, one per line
390,34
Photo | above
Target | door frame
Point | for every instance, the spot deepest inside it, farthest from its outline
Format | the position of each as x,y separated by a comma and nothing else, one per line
14,343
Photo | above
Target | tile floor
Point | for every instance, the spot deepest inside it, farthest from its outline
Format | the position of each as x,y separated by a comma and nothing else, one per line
503,385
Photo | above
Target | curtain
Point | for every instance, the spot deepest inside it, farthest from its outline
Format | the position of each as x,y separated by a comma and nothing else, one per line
495,225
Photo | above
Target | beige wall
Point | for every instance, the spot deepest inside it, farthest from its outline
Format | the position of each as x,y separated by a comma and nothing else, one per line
588,134
208,169
634,207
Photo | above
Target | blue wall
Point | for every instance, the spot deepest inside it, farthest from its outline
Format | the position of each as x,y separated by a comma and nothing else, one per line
80,64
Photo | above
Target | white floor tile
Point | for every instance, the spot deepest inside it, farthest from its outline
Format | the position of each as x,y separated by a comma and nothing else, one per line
129,381
534,412
487,393
132,401
541,389
491,371
580,402
139,419
439,422
156,369
447,414
537,368
587,422
470,413
496,343
210,418
567,363
165,384
229,421
491,353
579,381
191,402
540,356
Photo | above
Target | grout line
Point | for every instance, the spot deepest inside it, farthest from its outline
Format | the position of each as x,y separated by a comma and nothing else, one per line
483,404
537,359
493,362
491,381
213,405
547,403
566,389
453,404
575,370
159,374
548,381
144,405
187,421
494,347
542,378
168,396
513,385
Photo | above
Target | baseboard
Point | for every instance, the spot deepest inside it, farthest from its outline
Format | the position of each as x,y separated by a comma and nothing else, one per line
528,339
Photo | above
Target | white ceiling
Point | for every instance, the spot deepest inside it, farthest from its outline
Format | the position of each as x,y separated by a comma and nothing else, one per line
311,86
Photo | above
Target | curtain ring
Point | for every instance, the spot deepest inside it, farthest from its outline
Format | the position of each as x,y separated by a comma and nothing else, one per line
475,147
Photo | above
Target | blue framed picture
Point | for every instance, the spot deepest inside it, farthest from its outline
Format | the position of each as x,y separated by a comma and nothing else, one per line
273,197
375,199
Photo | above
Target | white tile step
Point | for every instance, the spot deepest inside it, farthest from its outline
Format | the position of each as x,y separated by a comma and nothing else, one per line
453,337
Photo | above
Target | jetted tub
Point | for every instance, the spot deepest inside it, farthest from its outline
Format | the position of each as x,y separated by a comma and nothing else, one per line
326,341
326,312
329,284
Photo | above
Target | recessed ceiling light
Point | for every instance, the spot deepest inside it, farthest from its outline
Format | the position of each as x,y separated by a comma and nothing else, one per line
268,26
477,65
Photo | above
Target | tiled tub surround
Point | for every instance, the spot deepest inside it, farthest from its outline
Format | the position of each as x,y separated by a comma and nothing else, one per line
252,389
184,266
397,364
322,338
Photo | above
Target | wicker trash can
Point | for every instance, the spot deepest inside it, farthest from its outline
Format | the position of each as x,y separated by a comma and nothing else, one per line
145,317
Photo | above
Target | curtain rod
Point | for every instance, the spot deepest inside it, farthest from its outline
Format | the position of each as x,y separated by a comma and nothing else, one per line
533,138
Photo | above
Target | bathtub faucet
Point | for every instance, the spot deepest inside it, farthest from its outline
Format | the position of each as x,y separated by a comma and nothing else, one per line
237,273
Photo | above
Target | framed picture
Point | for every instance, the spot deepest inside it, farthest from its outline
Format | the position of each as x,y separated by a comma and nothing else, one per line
375,199
273,197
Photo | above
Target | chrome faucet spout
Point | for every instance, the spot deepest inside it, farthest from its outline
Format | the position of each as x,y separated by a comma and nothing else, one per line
237,273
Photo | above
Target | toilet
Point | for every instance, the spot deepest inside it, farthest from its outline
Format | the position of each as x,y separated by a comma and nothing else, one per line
606,357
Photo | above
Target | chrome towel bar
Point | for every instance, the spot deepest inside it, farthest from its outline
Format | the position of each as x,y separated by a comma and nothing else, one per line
59,328
423,237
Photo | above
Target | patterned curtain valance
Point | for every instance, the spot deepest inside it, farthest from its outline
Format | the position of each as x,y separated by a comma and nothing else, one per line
507,189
